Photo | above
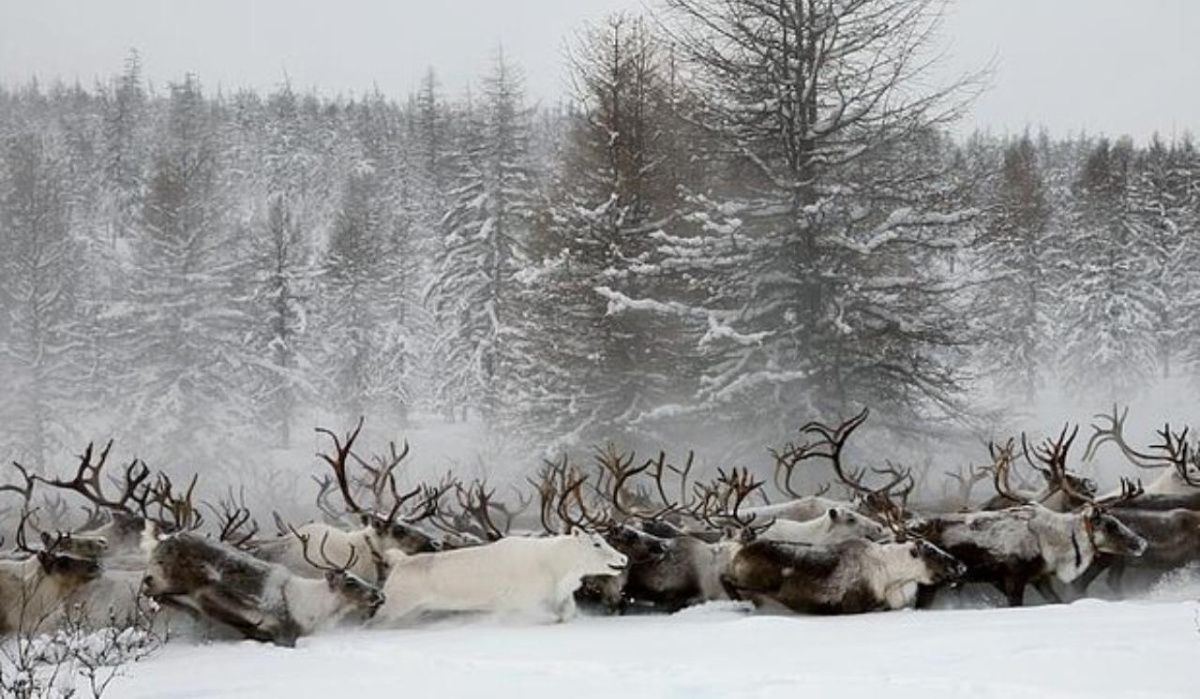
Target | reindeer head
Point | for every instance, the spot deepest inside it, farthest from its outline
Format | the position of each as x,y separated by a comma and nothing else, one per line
1111,535
855,525
598,557
72,569
358,594
637,545
939,566
394,534
79,545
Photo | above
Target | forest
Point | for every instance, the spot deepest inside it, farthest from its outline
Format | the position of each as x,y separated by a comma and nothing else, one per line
707,244
751,366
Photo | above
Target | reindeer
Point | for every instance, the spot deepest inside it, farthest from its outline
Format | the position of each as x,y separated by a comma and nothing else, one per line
1179,484
1029,543
852,577
1063,491
671,565
1172,538
377,533
835,526
119,521
828,444
689,571
564,510
261,601
33,589
79,545
512,575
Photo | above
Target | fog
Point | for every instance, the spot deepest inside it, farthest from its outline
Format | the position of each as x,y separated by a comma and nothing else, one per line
268,219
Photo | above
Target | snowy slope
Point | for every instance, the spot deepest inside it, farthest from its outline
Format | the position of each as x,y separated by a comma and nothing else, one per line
1088,649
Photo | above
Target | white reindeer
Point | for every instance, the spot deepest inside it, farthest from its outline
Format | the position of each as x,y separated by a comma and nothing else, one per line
833,527
515,574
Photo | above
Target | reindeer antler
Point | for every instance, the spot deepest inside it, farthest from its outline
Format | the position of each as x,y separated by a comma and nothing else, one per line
233,515
87,482
337,462
830,443
176,510
328,565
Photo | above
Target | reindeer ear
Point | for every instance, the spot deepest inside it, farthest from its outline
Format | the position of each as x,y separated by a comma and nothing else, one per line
46,540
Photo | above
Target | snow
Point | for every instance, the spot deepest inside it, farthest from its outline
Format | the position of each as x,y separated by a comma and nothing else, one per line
1087,649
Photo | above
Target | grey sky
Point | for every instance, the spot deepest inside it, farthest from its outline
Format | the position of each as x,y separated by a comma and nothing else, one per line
1110,66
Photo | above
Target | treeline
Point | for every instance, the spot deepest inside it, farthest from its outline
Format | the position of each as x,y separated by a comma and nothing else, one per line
741,220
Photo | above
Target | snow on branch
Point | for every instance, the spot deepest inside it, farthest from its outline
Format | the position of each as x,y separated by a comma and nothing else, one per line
620,303
721,331
890,231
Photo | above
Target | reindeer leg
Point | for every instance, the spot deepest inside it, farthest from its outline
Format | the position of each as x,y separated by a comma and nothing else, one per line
1081,584
1014,590
1045,587
731,590
1116,577
925,596
220,610
564,610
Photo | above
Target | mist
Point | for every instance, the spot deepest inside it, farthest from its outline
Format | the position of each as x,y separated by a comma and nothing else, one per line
206,266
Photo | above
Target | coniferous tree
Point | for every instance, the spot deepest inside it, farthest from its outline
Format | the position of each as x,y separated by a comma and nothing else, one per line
1109,308
184,333
39,322
1019,253
823,240
473,290
590,372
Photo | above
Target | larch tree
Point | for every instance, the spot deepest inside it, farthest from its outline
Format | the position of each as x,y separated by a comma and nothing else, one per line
824,243
39,322
472,293
1020,253
185,329
1109,297
591,372
1160,202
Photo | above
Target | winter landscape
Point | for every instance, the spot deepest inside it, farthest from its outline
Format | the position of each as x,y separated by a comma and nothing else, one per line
613,348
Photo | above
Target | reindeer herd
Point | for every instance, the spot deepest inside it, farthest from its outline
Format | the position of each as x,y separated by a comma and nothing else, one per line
618,536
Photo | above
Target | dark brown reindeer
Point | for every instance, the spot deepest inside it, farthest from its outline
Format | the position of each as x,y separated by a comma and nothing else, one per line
851,576
261,601
688,570
671,565
1029,543
1173,542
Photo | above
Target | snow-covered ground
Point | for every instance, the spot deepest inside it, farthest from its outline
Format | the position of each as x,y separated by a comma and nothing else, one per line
1087,649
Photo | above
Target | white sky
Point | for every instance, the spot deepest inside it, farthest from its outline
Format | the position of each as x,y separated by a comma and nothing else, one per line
1112,66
